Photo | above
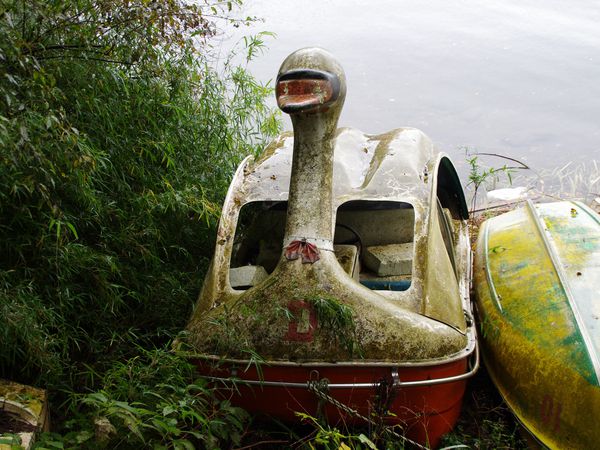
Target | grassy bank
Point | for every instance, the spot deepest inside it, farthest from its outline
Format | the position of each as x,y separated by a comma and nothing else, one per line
120,128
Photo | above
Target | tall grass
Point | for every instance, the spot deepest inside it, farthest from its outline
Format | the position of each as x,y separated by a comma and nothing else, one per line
572,181
150,401
118,138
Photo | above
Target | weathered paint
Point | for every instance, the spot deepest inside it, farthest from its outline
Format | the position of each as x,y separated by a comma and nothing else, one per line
537,287
424,413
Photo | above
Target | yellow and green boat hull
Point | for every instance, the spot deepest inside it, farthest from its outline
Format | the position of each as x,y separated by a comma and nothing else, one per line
537,285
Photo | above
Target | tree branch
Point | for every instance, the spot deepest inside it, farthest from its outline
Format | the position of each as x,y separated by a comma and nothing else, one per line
84,58
523,165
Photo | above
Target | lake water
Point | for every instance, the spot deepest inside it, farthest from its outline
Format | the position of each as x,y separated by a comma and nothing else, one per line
518,78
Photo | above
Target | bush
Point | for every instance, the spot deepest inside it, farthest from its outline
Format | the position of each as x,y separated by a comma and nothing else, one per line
150,401
117,140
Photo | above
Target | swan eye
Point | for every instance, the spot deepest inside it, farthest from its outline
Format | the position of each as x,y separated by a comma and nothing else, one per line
306,91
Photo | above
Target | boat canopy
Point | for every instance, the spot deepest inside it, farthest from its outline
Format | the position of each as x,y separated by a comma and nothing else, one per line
396,166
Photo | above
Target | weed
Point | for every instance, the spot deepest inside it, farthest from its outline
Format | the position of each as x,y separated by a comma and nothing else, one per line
337,320
254,359
151,400
116,150
118,138
327,437
485,421
10,440
572,181
480,175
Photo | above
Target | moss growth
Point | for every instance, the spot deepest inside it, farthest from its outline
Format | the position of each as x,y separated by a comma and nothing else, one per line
248,326
337,321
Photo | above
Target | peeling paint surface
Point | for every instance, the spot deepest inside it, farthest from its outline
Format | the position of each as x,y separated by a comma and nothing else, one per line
538,291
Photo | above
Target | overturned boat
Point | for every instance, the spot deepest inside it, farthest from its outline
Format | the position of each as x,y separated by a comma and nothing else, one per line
537,284
339,286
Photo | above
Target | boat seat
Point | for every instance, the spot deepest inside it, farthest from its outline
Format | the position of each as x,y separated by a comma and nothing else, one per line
389,260
246,276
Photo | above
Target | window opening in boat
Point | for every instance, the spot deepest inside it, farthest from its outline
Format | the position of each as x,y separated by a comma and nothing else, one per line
374,243
258,242
449,191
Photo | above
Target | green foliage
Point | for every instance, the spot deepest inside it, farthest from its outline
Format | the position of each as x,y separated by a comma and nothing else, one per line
480,175
118,138
486,421
151,401
11,440
327,437
336,319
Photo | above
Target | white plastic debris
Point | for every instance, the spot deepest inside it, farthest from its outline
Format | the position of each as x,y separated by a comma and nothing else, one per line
507,194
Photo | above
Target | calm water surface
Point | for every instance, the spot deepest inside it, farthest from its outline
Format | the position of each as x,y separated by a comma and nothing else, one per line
520,78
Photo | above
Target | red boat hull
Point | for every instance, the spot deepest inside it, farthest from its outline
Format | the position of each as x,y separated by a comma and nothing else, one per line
425,413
